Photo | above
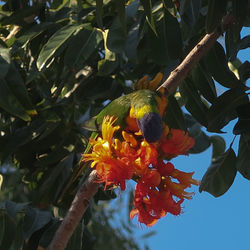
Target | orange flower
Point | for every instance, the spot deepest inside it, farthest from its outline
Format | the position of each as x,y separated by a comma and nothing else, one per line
102,147
150,202
146,155
178,143
161,187
114,172
184,178
165,169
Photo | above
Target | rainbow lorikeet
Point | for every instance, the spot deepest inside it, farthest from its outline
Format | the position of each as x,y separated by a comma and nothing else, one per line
141,110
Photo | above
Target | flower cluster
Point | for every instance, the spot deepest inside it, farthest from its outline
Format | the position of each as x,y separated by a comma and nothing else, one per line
160,187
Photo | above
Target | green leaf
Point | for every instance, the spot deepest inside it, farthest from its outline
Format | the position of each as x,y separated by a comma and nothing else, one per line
132,42
243,124
18,88
19,239
193,102
34,220
244,71
13,208
190,12
173,36
10,103
9,231
231,40
84,43
167,44
223,110
157,46
220,175
54,43
57,177
2,226
244,157
216,10
239,10
174,116
116,38
120,7
99,13
27,35
204,83
110,63
168,4
58,4
4,62
216,63
147,6
49,233
18,16
219,146
202,141
244,43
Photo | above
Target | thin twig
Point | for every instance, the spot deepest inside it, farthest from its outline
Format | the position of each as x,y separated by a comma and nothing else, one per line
75,213
181,72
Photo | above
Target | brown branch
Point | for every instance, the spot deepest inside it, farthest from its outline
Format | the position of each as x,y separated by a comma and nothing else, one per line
75,213
181,72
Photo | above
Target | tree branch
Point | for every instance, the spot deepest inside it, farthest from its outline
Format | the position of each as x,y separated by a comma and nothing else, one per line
75,213
181,72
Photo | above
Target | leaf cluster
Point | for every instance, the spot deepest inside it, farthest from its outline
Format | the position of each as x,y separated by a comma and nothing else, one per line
62,60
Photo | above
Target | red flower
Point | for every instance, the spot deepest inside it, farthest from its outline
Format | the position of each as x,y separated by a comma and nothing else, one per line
114,172
150,202
178,143
184,178
161,187
165,169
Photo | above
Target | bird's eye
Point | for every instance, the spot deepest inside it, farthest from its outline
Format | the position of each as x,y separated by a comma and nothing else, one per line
151,126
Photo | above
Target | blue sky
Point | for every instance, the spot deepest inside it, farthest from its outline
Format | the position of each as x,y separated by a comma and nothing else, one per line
207,222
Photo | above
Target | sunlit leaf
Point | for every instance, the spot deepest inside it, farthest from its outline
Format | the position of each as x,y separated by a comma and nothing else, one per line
54,43
4,62
82,46
147,6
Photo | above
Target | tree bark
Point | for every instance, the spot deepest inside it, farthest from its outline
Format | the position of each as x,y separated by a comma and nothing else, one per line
181,72
75,213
